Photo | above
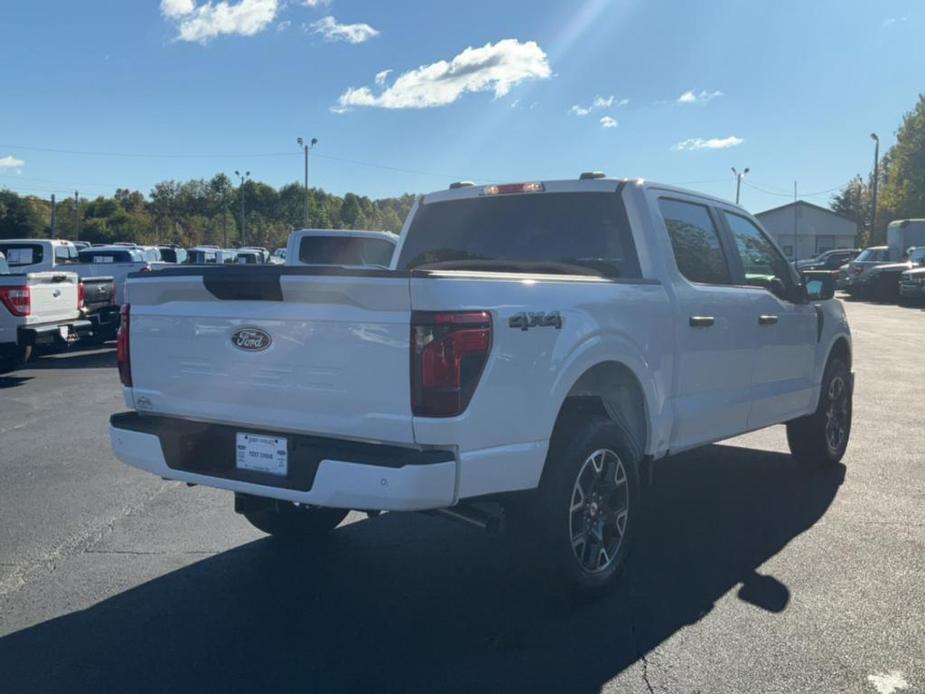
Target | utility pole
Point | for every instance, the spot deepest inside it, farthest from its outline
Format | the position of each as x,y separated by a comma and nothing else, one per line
739,177
77,215
873,216
796,225
224,221
243,220
54,228
305,147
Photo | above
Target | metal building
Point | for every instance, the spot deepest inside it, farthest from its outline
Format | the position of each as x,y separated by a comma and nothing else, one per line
804,230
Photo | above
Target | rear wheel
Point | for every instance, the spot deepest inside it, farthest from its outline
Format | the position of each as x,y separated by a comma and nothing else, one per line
580,521
822,437
294,523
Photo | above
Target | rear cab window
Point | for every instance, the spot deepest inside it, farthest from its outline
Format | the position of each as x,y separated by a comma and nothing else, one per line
584,233
345,250
695,241
21,254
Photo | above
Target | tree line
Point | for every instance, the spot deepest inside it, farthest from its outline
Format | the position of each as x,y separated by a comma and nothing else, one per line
901,183
199,212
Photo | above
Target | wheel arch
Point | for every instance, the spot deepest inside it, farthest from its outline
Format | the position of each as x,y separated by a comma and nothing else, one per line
841,347
612,389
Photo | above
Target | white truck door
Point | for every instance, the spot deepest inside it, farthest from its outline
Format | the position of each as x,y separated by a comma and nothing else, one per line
715,339
785,330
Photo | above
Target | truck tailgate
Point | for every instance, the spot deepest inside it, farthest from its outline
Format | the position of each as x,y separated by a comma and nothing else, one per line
54,297
282,349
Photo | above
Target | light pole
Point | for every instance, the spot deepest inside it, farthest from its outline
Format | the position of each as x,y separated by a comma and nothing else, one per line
873,216
243,220
739,177
305,148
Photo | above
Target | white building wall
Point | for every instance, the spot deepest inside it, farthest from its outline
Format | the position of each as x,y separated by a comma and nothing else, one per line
816,230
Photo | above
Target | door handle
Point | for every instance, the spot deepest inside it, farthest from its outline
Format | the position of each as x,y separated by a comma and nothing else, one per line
701,321
767,320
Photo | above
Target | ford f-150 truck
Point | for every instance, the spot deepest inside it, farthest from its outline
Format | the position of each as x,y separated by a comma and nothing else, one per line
37,309
535,347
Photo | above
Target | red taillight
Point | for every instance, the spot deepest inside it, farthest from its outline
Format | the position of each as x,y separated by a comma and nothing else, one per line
81,296
18,300
123,358
448,353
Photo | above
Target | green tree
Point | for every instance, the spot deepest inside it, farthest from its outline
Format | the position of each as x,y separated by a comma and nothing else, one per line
854,202
902,192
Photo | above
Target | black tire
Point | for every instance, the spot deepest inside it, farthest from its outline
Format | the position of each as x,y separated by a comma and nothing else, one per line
13,358
547,518
295,523
820,439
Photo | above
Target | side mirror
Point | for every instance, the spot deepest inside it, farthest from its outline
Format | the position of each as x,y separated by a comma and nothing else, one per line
819,285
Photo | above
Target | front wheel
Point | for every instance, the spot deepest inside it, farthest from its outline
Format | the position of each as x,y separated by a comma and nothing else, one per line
294,523
583,515
822,437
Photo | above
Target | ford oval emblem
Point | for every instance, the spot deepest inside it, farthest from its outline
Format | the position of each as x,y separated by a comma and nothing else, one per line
251,339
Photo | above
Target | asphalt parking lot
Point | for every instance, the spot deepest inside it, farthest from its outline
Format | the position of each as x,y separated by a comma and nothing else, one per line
751,575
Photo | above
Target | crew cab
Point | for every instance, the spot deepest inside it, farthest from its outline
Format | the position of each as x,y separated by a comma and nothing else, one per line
530,355
37,309
117,261
346,248
38,255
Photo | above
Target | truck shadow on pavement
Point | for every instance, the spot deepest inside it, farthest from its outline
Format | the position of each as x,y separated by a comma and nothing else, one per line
411,603
91,357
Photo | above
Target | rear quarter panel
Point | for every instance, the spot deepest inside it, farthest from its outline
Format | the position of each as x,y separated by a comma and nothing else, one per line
529,373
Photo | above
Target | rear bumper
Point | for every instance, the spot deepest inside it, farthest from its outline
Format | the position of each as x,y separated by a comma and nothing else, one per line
56,334
322,472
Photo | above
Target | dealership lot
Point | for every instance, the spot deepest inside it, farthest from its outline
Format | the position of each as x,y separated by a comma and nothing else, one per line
751,574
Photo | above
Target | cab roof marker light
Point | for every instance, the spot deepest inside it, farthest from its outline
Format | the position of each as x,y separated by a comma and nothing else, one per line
508,188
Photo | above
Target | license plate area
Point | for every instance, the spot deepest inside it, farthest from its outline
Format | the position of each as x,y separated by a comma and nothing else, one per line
262,453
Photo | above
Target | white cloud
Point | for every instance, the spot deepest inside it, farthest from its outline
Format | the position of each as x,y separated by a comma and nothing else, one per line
493,67
608,122
315,3
381,77
351,33
695,143
177,8
701,97
890,21
282,26
205,21
598,102
11,162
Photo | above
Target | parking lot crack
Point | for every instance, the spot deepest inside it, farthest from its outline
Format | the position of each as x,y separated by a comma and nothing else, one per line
640,652
78,542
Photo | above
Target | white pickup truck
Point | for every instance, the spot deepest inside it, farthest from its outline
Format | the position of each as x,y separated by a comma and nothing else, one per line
534,345
37,309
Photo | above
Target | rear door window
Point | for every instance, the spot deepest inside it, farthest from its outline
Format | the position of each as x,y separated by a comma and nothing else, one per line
562,233
695,241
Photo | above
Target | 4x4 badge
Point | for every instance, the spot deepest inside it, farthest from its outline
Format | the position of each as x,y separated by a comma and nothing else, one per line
525,321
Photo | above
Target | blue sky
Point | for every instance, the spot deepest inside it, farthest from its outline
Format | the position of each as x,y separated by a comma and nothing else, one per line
489,91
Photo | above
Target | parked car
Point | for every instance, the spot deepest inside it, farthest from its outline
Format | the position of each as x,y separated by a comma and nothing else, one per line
249,257
347,248
38,255
172,254
830,260
881,282
536,345
280,254
202,255
116,261
100,308
37,309
260,250
868,258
